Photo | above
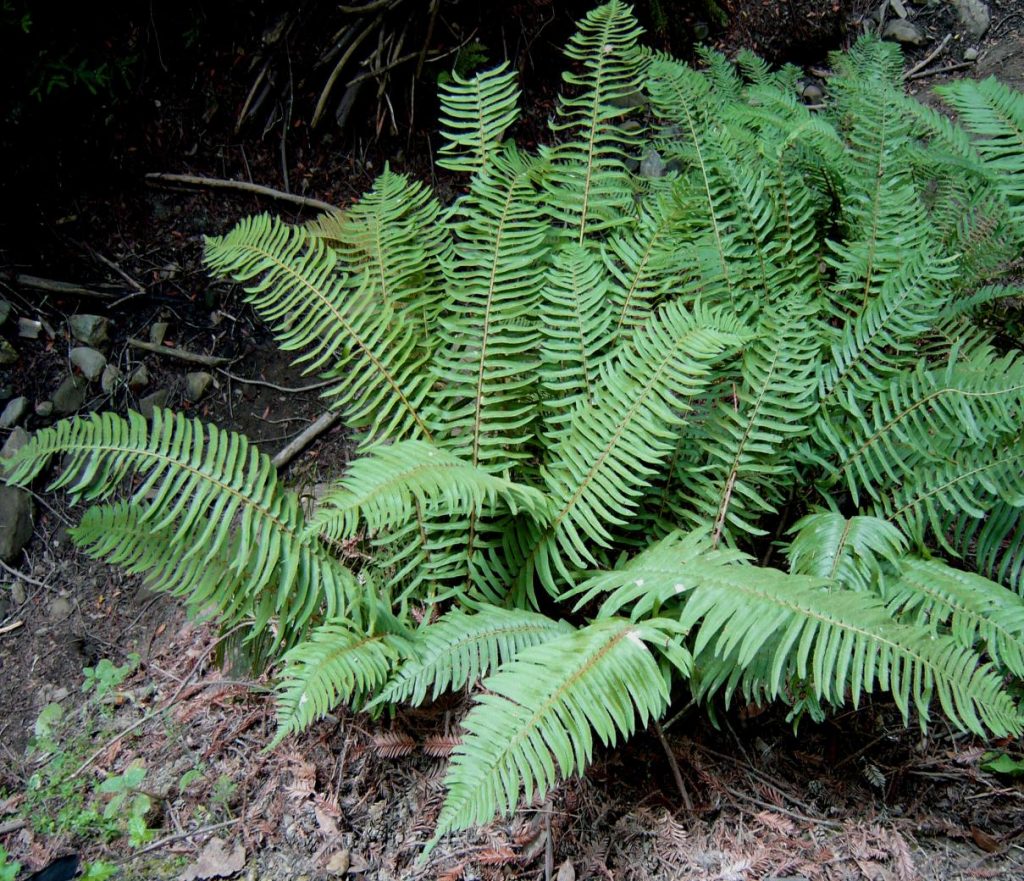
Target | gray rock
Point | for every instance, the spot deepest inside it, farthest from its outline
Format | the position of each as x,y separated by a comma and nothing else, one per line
18,593
5,311
139,378
196,384
15,441
974,16
44,409
89,361
8,354
971,54
813,93
15,521
70,396
652,165
60,609
157,332
14,412
157,399
904,32
29,329
93,330
109,379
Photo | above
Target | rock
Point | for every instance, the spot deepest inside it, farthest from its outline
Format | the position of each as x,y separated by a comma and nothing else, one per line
150,402
339,862
5,311
971,54
44,409
14,412
813,93
15,520
157,332
59,609
15,441
974,16
109,379
93,330
89,361
29,329
18,593
139,378
196,384
70,396
652,165
904,32
8,354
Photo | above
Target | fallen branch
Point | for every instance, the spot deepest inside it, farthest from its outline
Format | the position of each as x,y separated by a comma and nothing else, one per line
14,625
322,424
187,180
674,765
170,839
928,59
13,826
291,390
180,354
51,286
935,71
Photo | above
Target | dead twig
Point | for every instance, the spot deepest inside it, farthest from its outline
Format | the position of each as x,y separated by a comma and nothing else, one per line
180,354
170,839
928,59
12,826
674,765
135,284
64,288
935,71
303,440
278,388
14,625
157,178
321,103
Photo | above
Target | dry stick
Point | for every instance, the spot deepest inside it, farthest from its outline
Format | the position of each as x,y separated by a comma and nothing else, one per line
674,765
14,625
170,839
157,178
924,62
12,826
135,283
322,424
935,71
333,78
180,354
279,388
59,287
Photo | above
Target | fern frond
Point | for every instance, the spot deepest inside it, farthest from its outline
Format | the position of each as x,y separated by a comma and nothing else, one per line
843,643
848,551
339,663
211,495
994,542
459,649
295,283
537,720
975,609
475,114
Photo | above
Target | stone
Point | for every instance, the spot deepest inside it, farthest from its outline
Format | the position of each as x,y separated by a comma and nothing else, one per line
196,384
70,395
60,609
15,521
14,412
974,16
813,93
139,378
5,311
18,593
904,32
29,329
15,441
971,54
157,332
93,330
44,409
151,402
652,165
8,354
109,379
89,361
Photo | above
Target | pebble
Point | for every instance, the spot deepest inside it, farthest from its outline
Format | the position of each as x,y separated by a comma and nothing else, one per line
5,311
18,593
157,332
70,395
29,329
93,330
15,521
974,16
44,409
196,384
15,441
8,354
151,402
904,32
109,379
139,378
60,609
14,412
971,54
90,361
813,93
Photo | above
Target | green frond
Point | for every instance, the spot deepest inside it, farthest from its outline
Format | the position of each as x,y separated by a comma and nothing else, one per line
389,484
339,664
994,542
721,72
974,609
843,643
210,495
538,718
460,649
297,284
849,551
475,114
392,242
587,183
969,304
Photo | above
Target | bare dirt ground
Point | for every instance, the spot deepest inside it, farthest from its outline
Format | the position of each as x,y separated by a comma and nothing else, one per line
856,798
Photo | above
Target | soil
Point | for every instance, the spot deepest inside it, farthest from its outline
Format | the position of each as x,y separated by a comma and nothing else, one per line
858,797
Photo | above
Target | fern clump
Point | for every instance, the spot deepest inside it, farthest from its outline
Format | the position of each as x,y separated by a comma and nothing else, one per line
593,406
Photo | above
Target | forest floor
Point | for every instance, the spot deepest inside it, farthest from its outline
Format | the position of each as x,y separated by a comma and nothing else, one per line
856,797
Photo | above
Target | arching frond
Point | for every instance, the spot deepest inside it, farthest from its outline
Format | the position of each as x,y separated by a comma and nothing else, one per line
298,286
475,114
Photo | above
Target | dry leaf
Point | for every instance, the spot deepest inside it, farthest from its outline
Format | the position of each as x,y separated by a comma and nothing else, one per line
338,863
985,841
215,862
566,872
